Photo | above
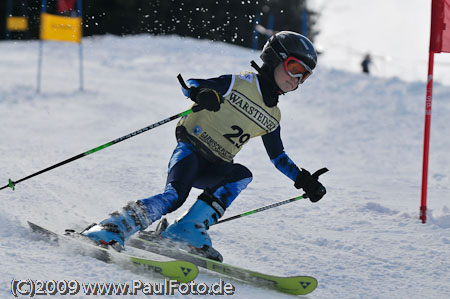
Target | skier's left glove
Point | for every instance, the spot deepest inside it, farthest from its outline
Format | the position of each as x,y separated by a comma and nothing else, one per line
206,98
310,184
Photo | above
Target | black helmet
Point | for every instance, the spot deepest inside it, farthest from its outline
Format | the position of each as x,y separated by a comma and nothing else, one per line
287,43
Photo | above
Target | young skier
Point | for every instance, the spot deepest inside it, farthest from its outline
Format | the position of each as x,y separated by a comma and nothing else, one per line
235,108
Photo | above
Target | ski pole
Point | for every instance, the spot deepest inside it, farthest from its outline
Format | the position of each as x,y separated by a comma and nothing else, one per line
283,202
262,209
12,183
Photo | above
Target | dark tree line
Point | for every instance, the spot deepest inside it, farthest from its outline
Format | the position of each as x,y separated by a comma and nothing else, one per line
222,20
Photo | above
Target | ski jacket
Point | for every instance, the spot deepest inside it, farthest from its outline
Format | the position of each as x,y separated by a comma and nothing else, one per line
243,115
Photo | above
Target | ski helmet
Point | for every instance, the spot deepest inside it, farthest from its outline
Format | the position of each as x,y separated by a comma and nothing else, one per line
287,43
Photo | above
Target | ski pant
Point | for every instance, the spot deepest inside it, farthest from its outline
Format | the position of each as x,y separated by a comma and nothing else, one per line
187,169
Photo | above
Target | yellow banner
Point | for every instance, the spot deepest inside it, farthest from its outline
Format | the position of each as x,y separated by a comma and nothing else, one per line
59,28
17,24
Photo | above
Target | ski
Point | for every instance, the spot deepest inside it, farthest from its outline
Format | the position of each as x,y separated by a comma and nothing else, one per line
296,285
182,271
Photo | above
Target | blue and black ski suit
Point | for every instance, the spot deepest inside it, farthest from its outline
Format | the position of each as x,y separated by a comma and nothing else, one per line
203,164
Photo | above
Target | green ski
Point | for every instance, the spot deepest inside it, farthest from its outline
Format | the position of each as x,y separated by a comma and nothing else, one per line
176,270
296,285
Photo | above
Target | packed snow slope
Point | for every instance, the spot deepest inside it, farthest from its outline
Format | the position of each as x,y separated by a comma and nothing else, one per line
399,44
362,240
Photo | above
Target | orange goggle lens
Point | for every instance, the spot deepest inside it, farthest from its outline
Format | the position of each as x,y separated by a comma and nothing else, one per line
297,69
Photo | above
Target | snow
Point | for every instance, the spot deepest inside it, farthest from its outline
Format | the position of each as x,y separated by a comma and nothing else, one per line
395,33
362,240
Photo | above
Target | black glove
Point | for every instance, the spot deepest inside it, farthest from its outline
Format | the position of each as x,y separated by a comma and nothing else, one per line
206,98
310,184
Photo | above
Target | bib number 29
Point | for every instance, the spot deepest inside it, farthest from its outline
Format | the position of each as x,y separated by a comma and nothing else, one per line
238,138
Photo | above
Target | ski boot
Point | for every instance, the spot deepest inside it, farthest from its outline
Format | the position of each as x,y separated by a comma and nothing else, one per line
119,226
191,228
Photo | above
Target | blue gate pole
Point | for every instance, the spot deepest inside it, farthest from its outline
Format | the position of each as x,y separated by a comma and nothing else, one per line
80,14
38,88
305,23
26,14
8,13
270,23
43,10
255,35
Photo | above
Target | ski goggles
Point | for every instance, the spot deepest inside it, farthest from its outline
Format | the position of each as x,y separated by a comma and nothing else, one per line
297,68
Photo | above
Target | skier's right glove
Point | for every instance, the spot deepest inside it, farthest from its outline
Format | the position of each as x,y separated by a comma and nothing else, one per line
310,184
206,98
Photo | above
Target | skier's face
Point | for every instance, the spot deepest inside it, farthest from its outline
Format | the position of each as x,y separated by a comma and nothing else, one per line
285,82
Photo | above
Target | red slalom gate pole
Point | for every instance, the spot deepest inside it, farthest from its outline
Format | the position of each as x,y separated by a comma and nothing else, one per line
426,140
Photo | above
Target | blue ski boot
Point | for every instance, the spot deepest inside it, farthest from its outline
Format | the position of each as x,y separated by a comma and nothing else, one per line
119,226
191,228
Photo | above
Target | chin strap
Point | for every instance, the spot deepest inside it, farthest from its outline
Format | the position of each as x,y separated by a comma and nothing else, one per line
266,76
261,72
256,66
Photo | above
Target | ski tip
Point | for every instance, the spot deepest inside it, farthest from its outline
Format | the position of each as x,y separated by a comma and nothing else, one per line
298,285
34,226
